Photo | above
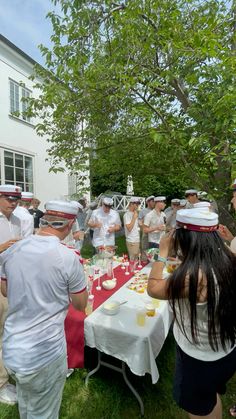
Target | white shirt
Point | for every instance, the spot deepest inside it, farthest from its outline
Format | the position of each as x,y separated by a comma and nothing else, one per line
40,272
143,212
9,228
233,245
26,219
153,219
133,235
101,237
202,350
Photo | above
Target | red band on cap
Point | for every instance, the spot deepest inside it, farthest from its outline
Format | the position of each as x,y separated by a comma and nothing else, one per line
193,227
26,199
17,194
60,214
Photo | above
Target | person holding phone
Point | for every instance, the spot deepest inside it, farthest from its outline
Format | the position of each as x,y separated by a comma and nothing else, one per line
202,294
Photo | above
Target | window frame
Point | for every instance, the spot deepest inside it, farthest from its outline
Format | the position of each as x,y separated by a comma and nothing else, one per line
17,106
27,185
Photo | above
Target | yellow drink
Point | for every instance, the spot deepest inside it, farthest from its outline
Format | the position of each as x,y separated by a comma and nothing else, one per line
150,310
156,302
88,309
141,317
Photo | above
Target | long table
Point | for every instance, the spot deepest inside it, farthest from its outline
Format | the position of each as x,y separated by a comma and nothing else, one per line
121,337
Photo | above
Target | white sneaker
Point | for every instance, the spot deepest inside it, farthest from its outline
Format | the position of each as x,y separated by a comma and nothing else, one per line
8,394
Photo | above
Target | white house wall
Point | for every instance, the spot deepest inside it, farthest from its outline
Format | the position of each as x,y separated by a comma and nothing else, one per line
19,136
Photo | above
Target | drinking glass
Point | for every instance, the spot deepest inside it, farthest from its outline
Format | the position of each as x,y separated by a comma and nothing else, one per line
141,316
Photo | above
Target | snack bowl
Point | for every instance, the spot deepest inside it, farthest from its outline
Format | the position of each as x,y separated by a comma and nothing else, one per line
109,284
106,252
111,307
171,265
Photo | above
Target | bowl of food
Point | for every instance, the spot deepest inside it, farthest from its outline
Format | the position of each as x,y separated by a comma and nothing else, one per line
106,251
172,264
150,253
111,307
109,284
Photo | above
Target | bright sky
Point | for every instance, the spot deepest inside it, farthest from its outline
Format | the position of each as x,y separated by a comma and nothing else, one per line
24,23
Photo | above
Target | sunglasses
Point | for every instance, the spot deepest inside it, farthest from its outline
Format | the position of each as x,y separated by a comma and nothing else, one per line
53,224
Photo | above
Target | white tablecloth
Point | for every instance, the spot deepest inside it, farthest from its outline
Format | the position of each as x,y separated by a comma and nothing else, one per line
121,337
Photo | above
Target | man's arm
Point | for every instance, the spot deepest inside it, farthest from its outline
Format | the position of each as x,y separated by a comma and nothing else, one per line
6,245
79,300
4,287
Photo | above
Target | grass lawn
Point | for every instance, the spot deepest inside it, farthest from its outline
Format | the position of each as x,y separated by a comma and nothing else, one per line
108,397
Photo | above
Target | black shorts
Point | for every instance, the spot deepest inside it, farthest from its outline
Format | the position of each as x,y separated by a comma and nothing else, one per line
197,383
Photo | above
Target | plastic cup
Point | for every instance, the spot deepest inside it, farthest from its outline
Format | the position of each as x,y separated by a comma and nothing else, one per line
141,317
150,310
89,307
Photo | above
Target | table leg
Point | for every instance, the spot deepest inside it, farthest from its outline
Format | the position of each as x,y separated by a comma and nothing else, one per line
135,393
94,370
118,369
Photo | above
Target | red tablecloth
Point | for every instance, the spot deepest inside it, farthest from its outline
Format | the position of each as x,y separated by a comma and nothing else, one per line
74,322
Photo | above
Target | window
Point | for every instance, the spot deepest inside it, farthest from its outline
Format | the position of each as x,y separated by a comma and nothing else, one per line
18,170
17,105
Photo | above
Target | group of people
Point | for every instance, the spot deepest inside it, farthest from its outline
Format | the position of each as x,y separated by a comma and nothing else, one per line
40,276
144,228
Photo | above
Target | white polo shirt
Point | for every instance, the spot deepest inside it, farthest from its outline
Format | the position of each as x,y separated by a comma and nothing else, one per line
101,237
40,274
153,219
9,228
26,219
132,236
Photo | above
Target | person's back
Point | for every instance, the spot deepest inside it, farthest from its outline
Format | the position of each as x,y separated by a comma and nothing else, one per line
34,334
40,276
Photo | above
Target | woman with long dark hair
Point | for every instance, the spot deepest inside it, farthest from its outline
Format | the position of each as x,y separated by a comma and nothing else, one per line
202,294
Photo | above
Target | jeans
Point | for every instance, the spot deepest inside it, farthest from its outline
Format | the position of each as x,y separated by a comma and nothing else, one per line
39,394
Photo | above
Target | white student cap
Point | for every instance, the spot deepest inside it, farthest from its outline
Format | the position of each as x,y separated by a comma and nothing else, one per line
11,191
134,200
183,202
63,209
191,192
202,204
107,201
175,201
160,198
150,198
197,219
27,196
77,204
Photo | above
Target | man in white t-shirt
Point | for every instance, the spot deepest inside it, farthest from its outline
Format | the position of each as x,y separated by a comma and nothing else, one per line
10,232
105,222
132,229
22,212
40,276
154,222
150,204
